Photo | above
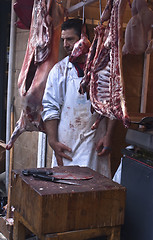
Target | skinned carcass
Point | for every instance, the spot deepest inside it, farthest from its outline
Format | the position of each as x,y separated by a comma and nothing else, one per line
136,34
103,80
41,55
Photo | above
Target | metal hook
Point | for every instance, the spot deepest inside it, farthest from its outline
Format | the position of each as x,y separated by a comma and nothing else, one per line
59,2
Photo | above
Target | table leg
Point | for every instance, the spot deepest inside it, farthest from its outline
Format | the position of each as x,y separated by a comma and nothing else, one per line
18,230
115,234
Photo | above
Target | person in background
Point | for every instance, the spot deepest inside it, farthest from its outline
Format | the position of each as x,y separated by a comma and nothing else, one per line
67,115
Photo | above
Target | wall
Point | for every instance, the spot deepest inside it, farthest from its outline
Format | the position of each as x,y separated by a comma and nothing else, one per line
133,75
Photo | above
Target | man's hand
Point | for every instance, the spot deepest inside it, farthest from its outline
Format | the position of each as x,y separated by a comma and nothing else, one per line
51,127
59,149
103,146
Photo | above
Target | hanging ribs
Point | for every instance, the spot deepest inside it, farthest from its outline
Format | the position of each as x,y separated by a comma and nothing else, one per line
41,55
103,80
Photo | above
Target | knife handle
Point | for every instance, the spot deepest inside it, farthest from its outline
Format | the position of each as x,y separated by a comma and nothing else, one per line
44,177
29,172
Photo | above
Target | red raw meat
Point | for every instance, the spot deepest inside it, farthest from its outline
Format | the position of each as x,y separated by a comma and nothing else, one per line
23,9
103,80
41,55
80,48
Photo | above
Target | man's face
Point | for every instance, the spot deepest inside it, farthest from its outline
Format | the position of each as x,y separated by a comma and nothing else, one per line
69,38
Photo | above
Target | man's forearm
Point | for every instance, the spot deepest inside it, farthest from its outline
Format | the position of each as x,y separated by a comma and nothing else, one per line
110,127
51,130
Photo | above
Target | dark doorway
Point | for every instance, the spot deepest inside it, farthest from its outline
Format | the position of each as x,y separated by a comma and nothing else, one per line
5,12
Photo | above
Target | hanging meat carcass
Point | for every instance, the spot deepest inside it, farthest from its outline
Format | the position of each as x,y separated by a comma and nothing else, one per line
103,80
23,10
40,57
136,34
81,47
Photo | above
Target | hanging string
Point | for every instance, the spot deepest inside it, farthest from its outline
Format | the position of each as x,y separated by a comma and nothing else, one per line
83,16
100,8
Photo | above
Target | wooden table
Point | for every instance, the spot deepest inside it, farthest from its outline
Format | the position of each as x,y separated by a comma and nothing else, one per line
67,212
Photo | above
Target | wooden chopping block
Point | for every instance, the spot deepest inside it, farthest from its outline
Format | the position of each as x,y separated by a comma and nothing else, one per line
52,207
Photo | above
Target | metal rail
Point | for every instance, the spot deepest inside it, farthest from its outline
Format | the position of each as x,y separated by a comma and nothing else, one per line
80,5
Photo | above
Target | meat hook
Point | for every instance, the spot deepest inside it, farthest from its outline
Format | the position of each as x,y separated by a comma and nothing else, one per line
59,2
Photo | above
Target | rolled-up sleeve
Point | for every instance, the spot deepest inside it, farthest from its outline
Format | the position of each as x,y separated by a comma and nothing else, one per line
53,96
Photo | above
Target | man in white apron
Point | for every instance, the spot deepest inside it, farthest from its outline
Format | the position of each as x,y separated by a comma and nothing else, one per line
67,114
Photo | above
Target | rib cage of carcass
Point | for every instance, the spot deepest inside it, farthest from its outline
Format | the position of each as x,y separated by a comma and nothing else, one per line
41,55
103,80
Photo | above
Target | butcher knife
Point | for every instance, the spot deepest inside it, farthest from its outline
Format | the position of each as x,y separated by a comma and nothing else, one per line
53,179
65,175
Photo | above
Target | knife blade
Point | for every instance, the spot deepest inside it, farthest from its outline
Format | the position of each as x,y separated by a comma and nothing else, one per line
72,176
53,179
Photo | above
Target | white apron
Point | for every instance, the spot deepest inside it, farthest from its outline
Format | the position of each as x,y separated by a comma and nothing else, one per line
75,128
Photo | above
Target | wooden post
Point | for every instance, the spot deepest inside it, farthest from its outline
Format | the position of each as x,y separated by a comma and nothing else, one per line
145,79
11,163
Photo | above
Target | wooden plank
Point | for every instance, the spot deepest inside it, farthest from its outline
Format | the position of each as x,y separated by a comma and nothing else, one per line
28,203
145,79
8,215
6,229
112,233
20,227
80,5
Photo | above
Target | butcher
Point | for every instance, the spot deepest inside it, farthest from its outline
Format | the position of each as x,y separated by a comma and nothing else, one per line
67,114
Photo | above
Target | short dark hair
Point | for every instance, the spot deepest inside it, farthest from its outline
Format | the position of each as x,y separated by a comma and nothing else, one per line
74,23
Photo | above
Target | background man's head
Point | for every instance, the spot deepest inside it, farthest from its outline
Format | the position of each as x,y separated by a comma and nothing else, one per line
71,33
74,23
